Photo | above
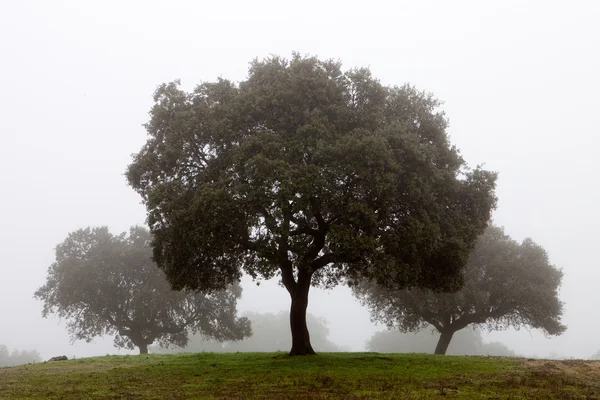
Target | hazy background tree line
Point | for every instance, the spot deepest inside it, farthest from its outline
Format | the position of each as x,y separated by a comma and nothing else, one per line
17,357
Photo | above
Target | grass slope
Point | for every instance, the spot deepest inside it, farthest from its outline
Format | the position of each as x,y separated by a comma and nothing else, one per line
326,376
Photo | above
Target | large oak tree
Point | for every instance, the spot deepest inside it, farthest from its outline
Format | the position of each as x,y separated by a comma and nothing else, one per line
507,284
105,284
308,173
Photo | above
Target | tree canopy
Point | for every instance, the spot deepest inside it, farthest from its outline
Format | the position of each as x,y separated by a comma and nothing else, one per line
507,284
309,173
270,332
105,284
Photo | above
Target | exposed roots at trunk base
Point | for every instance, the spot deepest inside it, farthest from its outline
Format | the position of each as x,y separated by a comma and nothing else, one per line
302,351
143,349
300,337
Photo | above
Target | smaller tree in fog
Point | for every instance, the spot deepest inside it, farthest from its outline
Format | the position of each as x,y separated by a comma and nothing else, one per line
103,284
507,284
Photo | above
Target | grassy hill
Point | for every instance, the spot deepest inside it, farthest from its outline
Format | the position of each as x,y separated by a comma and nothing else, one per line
326,376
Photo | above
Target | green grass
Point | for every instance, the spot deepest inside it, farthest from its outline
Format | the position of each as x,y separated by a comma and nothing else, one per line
326,376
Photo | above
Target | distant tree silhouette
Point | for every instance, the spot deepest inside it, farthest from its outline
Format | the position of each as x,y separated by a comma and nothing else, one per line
506,284
103,284
16,357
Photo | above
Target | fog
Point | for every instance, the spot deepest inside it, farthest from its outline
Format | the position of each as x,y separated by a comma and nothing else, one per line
519,80
270,333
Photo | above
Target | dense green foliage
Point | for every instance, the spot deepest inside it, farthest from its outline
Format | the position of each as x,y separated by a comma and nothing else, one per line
270,333
309,173
17,357
103,284
276,376
506,284
464,342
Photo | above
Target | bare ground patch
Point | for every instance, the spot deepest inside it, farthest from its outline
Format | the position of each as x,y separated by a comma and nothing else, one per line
573,368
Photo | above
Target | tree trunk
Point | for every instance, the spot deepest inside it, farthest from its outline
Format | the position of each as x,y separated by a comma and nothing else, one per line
143,348
442,345
300,337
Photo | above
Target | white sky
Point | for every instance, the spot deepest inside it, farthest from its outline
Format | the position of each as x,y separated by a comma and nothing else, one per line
519,80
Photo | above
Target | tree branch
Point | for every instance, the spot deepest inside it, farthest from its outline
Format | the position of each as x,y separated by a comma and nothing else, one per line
323,261
315,247
467,319
304,230
287,277
323,225
435,323
270,221
297,221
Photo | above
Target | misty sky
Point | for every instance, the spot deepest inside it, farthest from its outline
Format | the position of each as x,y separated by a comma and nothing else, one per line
519,80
